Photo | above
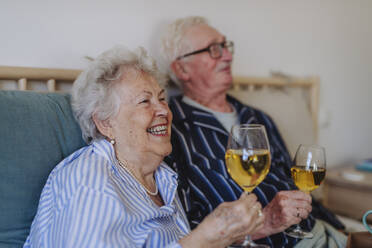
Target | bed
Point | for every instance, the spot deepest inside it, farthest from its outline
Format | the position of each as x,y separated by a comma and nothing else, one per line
37,130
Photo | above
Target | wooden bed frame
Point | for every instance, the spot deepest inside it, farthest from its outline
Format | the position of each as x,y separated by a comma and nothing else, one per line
25,74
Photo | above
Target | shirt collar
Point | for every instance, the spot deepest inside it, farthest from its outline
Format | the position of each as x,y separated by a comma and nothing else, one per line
104,148
165,177
183,112
193,103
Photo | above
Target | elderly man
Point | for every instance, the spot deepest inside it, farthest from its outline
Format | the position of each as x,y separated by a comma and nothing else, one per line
199,60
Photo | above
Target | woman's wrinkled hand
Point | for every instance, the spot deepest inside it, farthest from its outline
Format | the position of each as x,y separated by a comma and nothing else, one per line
228,223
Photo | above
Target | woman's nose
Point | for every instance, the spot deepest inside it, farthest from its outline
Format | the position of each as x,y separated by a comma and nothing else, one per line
162,108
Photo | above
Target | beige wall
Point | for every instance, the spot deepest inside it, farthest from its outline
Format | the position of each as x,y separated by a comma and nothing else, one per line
331,39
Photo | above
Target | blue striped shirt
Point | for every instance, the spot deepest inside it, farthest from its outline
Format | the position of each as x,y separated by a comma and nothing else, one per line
90,201
199,144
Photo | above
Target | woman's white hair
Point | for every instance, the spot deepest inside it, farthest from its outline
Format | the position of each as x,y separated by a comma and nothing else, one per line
94,91
175,44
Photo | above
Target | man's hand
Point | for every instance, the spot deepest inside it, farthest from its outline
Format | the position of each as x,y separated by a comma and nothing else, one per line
286,209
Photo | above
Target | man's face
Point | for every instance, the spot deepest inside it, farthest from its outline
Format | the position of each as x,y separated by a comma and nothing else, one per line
205,72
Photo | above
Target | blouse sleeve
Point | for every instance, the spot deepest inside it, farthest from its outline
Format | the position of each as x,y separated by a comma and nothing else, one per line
88,219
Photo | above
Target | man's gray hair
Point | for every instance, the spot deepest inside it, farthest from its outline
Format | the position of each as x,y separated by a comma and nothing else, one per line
94,92
174,43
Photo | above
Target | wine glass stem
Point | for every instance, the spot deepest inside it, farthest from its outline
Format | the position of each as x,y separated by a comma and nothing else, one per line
298,228
247,241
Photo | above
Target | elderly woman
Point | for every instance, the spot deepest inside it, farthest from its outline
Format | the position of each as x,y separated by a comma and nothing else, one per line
117,192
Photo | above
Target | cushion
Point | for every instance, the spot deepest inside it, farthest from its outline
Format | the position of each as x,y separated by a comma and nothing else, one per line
36,132
290,110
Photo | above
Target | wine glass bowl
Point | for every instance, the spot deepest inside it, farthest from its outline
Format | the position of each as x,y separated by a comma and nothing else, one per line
307,180
248,160
248,168
308,172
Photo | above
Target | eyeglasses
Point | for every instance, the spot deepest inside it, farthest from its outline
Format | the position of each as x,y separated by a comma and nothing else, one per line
215,50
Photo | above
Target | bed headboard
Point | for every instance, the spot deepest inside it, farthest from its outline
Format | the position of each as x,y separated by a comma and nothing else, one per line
38,79
291,101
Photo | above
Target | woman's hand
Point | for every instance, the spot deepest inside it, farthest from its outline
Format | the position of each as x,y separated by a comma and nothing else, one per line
228,223
286,209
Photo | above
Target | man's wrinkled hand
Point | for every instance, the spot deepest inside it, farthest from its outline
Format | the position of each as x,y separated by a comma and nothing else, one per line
286,209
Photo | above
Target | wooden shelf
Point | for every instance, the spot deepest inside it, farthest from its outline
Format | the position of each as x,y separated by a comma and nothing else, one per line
348,192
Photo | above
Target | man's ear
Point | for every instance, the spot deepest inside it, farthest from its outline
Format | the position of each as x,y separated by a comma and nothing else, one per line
180,70
103,126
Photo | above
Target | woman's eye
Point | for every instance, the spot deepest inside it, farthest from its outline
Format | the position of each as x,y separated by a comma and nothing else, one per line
145,101
162,99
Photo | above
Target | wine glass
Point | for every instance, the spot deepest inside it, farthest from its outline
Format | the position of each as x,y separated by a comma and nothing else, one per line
248,161
308,171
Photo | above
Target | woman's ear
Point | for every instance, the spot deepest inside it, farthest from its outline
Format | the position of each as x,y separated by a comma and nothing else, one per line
103,126
180,70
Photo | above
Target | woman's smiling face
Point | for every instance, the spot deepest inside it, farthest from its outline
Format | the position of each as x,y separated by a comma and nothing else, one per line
143,123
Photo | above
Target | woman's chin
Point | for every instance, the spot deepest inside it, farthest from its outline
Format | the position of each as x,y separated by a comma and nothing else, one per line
166,150
160,145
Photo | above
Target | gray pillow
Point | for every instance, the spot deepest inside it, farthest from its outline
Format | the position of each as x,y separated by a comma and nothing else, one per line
36,132
288,108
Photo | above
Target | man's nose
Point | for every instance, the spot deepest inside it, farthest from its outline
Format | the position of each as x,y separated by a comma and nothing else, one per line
226,54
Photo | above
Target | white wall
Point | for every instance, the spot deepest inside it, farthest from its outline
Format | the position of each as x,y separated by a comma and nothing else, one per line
331,39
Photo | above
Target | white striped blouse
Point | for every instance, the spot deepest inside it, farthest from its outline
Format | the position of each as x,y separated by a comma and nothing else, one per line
90,201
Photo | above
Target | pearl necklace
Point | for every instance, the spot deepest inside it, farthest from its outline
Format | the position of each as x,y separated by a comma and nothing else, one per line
132,174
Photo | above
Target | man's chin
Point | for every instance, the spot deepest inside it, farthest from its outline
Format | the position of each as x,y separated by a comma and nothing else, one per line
227,76
228,80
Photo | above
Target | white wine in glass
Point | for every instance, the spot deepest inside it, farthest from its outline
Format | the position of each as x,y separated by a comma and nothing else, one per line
248,167
307,180
308,172
248,161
